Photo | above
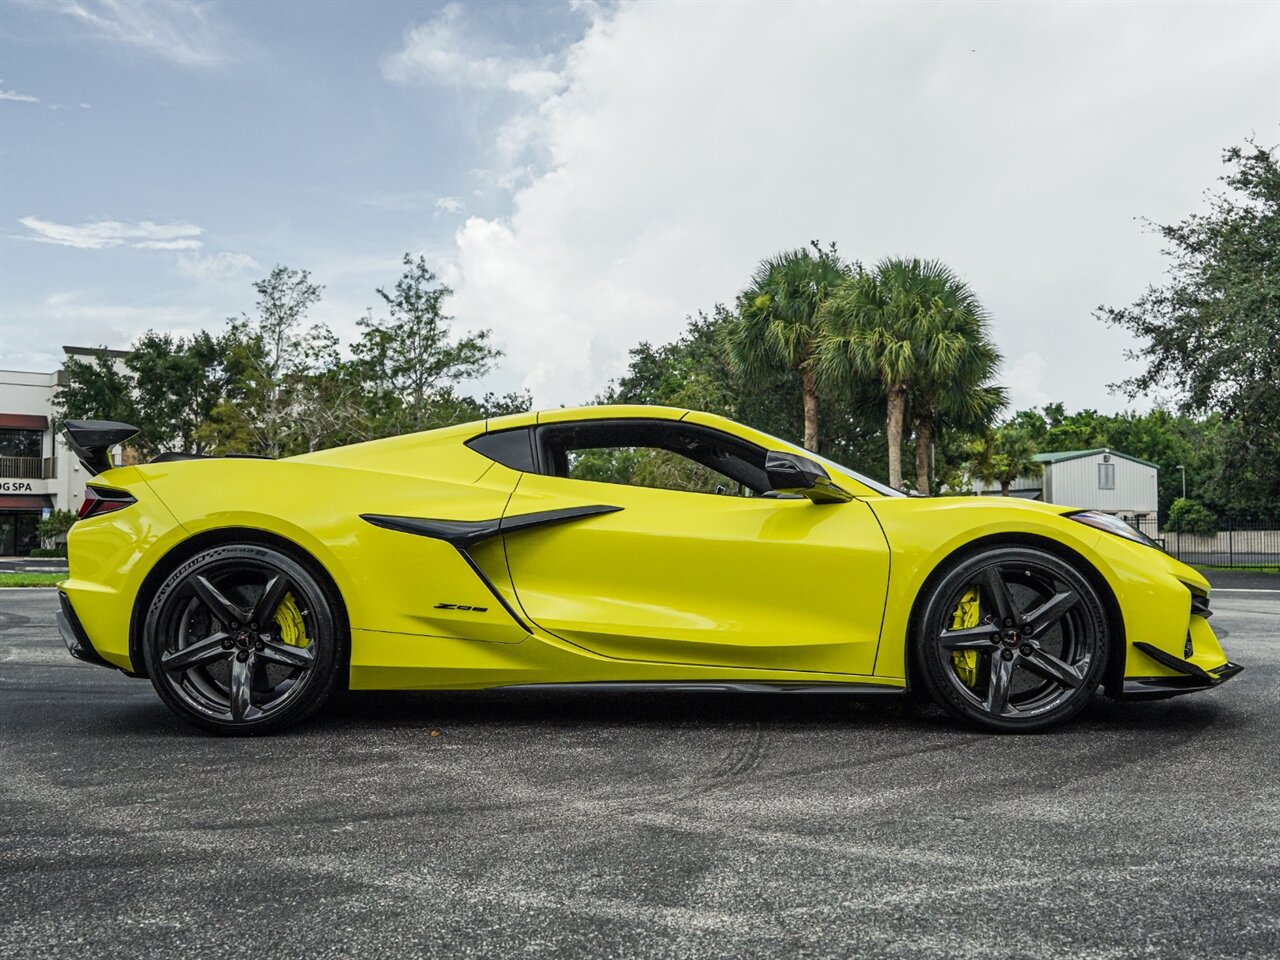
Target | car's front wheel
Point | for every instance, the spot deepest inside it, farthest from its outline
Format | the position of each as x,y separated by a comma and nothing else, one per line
243,639
1013,639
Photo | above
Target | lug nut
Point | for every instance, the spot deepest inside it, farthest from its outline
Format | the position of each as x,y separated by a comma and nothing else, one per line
253,626
995,638
1008,621
1006,654
259,645
1027,649
227,644
242,656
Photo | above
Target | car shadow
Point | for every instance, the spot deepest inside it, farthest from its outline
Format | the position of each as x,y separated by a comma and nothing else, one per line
570,708
880,714
623,708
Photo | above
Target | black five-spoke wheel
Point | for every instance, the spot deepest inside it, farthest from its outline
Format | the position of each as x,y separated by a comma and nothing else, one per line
1013,639
242,639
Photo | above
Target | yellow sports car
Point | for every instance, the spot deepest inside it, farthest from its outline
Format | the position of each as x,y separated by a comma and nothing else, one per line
608,546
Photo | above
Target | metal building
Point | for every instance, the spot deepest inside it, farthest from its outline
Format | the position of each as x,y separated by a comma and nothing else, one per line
1099,479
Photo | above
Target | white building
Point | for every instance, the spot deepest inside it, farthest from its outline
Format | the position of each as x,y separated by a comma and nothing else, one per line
1102,479
38,472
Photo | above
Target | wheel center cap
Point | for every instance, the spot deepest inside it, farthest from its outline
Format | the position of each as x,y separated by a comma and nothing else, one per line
243,639
1012,638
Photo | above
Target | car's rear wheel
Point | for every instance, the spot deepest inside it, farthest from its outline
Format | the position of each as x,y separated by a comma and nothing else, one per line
243,639
1012,639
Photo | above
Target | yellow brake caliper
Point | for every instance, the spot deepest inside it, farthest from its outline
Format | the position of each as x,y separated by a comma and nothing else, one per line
967,615
293,630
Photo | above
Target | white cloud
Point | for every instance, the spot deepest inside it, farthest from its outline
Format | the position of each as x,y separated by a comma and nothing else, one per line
453,205
181,239
416,200
216,266
174,30
81,320
15,97
101,234
442,52
683,142
1025,379
184,244
449,51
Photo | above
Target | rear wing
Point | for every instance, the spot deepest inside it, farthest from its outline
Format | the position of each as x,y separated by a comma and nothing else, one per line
92,440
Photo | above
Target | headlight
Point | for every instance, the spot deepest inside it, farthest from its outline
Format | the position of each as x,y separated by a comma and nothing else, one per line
1105,521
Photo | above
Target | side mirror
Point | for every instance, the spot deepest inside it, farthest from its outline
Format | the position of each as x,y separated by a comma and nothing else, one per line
792,473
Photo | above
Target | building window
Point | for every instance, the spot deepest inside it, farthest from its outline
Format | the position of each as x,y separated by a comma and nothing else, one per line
1106,476
21,443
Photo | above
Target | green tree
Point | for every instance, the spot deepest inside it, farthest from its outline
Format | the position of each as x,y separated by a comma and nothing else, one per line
410,359
97,389
500,404
1191,516
167,386
269,355
953,387
695,371
1211,332
692,371
231,426
268,384
778,326
1004,455
54,527
177,382
1166,438
917,330
328,396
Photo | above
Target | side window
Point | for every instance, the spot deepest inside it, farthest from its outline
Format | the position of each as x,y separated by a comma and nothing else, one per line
511,448
1106,476
662,454
649,467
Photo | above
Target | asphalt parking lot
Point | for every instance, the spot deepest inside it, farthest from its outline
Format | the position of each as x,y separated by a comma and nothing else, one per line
694,825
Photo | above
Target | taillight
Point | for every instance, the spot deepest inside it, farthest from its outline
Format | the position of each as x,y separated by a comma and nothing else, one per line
100,500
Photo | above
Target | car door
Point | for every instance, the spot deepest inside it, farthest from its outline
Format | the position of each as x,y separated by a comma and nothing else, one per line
686,572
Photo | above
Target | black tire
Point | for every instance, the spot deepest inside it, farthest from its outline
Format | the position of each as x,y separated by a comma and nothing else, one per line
1036,653
242,639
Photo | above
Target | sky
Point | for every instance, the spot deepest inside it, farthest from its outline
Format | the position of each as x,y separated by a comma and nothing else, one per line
585,176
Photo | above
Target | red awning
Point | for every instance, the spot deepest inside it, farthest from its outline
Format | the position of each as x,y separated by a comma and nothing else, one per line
23,421
29,501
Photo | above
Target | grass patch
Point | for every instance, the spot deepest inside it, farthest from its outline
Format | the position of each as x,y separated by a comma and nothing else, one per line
31,579
1266,568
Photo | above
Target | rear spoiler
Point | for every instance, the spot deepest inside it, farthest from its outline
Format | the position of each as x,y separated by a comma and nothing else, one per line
92,440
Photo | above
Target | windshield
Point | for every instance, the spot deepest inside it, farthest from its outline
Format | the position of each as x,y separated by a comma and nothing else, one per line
875,485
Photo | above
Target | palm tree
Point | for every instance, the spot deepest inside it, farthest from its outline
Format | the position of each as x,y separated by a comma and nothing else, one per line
952,388
868,335
1004,455
968,410
917,329
777,321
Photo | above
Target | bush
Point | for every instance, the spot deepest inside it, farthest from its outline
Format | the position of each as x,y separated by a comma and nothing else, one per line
49,552
54,528
1192,516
